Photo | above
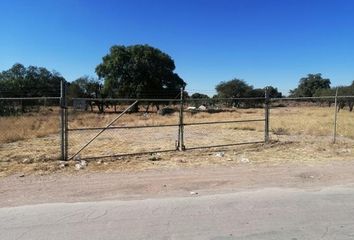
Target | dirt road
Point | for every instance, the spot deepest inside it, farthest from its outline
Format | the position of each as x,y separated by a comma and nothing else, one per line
86,186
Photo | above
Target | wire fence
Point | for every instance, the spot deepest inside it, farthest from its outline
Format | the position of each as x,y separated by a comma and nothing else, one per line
30,129
126,127
60,128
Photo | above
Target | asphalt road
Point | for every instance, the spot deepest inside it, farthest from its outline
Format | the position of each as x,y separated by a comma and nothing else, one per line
272,213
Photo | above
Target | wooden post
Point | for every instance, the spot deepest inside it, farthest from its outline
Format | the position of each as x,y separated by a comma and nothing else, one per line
335,117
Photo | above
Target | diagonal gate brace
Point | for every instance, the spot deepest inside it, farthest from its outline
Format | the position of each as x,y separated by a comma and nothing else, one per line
104,129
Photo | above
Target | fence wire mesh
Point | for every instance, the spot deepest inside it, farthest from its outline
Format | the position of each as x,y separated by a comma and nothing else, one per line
146,127
311,120
218,122
345,118
29,129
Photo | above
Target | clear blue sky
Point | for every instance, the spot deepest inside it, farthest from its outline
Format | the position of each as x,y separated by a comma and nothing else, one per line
264,42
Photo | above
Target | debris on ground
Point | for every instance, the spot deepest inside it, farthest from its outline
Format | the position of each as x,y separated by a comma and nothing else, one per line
26,161
155,157
80,165
99,161
63,164
220,154
83,163
193,193
244,159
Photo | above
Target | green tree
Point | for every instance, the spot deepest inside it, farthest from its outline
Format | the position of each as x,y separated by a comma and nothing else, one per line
200,99
88,87
139,71
309,85
85,87
199,95
19,81
234,88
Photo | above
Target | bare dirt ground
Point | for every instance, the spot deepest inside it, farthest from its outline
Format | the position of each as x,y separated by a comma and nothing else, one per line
177,182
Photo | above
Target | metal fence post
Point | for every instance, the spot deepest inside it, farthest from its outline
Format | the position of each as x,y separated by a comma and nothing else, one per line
180,145
266,118
335,117
62,122
66,122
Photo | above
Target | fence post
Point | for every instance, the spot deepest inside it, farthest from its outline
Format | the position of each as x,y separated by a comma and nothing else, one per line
66,122
180,145
266,117
63,122
335,117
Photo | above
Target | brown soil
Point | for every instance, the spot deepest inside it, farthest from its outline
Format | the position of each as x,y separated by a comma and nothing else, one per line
154,183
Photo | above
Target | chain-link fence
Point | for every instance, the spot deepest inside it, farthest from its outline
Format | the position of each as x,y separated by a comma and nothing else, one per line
312,119
29,129
47,128
223,122
116,127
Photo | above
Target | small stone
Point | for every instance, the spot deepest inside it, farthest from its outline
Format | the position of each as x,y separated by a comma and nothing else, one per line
244,160
26,161
193,193
182,161
99,162
105,163
65,163
78,166
21,175
83,163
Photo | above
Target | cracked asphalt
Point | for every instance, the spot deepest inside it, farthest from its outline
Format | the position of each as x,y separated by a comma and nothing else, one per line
268,213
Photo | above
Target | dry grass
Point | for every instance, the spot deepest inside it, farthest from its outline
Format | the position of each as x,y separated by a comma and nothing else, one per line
316,121
308,131
35,125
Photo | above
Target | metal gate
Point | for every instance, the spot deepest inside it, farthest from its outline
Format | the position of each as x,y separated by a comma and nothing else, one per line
100,128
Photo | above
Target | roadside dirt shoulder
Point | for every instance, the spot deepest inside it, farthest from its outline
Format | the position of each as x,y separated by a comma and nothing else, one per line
159,183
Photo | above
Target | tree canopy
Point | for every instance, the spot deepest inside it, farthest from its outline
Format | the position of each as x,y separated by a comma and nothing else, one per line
234,88
199,96
85,87
139,71
309,85
237,88
19,81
